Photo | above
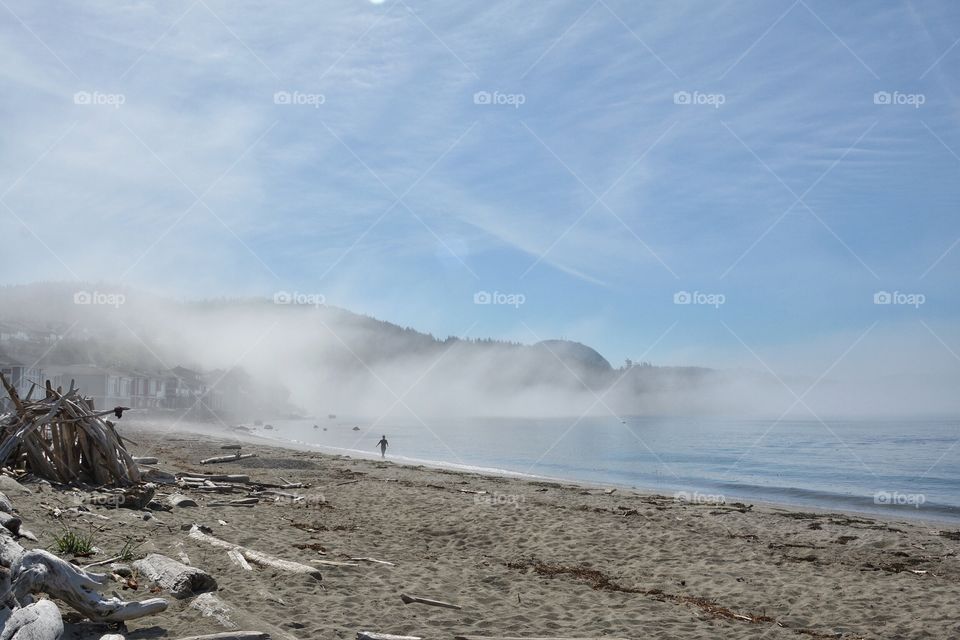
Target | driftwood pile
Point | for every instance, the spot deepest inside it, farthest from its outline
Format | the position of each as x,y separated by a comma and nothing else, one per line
60,437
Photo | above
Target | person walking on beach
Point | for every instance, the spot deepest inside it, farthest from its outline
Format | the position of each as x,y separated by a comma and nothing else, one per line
383,446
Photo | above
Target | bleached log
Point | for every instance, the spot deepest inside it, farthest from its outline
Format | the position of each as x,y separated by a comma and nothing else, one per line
370,635
242,502
112,636
434,603
177,578
239,560
543,638
334,563
39,571
217,477
11,522
374,560
238,456
232,635
210,606
5,505
38,621
256,557
180,500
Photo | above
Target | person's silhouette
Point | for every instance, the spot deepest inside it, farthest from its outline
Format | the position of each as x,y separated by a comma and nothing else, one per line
383,446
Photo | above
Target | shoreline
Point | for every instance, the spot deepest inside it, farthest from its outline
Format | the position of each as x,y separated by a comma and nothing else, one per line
904,514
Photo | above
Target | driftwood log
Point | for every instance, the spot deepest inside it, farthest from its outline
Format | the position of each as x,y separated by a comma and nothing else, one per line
232,458
407,599
370,635
232,635
179,579
255,557
38,621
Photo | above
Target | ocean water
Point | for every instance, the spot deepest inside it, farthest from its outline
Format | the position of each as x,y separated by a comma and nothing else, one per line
904,469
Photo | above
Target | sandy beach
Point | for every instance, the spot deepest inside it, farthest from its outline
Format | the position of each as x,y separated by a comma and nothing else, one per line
522,558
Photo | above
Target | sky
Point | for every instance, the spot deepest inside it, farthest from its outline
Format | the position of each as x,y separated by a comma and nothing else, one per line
516,170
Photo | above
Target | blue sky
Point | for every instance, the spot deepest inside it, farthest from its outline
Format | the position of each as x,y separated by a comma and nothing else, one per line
630,151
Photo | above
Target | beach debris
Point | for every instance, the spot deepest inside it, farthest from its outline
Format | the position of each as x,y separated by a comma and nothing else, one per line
408,599
135,497
370,635
373,560
214,477
157,477
242,502
62,439
38,621
177,578
39,571
232,635
231,447
253,556
334,563
478,493
539,638
239,560
233,458
5,505
146,460
180,500
600,581
210,606
11,522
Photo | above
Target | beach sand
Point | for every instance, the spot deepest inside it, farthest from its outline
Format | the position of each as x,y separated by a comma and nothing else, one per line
525,558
